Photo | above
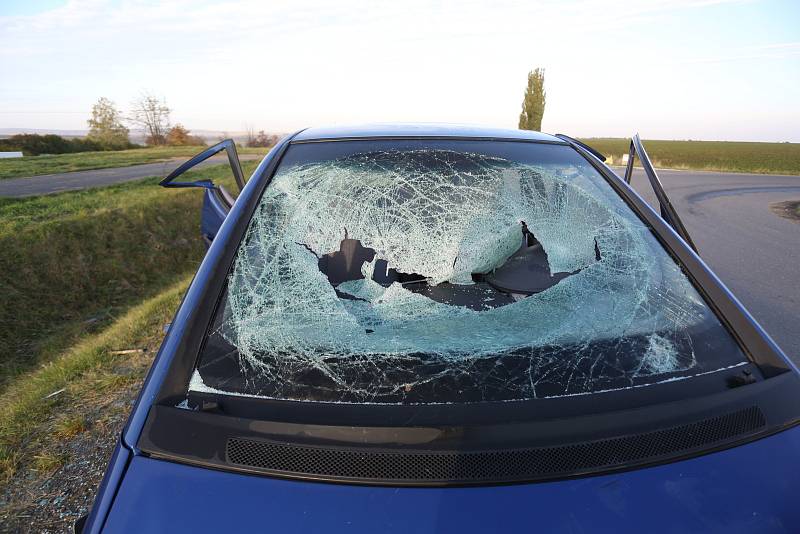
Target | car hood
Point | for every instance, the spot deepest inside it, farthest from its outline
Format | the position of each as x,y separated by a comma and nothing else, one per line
743,489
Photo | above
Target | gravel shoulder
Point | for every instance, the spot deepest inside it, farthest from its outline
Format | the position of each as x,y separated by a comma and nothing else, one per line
43,501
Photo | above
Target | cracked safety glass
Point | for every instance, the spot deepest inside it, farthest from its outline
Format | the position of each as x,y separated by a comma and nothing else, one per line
408,271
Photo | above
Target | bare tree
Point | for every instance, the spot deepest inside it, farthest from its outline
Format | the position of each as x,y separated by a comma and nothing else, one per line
251,134
152,115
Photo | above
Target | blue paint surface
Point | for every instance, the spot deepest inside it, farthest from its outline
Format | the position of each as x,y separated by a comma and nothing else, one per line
750,488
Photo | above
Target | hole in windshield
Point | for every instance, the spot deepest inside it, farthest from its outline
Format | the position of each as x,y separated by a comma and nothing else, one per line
523,273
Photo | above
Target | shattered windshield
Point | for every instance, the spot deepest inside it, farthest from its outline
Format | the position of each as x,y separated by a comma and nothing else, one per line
451,272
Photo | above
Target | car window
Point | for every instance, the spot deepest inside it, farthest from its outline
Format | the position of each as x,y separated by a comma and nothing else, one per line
451,271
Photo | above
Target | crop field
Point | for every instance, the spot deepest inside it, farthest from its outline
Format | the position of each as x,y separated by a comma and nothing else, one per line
81,161
759,158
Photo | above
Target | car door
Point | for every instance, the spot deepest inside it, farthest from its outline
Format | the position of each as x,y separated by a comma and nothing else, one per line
217,201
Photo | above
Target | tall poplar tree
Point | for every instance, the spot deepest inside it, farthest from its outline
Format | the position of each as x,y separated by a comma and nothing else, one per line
533,103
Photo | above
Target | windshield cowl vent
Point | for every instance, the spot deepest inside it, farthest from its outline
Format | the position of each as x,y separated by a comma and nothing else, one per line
392,467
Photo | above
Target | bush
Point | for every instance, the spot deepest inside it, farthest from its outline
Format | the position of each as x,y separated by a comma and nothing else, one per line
35,144
180,136
262,140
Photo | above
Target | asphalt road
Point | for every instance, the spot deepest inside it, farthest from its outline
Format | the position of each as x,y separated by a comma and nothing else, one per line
70,181
752,250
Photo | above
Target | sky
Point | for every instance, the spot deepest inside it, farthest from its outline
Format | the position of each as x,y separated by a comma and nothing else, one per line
668,69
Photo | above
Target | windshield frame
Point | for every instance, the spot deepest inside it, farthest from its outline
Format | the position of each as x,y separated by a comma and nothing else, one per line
556,158
757,347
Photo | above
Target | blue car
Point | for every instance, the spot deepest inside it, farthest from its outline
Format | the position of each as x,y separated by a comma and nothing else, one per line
418,328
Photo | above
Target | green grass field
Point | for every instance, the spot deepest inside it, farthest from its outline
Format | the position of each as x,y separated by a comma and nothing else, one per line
70,263
761,158
81,161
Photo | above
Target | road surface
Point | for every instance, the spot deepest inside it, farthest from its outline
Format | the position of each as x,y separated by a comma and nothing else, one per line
70,181
754,252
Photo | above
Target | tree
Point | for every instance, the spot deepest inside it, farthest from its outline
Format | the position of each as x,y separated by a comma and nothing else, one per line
251,134
105,126
533,103
152,115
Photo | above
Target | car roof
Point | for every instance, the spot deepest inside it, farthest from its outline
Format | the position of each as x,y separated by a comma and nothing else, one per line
420,130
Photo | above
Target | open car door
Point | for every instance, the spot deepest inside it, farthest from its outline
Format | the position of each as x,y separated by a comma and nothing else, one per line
217,201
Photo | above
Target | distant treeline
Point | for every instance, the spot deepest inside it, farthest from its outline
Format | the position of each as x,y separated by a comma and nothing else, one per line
35,144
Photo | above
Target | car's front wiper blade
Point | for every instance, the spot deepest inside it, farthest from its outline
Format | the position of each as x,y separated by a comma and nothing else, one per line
668,212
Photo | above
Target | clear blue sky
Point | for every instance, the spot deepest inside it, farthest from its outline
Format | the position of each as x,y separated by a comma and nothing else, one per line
685,69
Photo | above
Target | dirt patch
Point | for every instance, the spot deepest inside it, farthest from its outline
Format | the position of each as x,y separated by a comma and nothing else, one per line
789,209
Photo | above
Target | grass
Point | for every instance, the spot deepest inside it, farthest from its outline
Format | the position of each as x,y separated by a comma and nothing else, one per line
70,426
36,165
71,263
33,423
85,274
47,462
729,156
